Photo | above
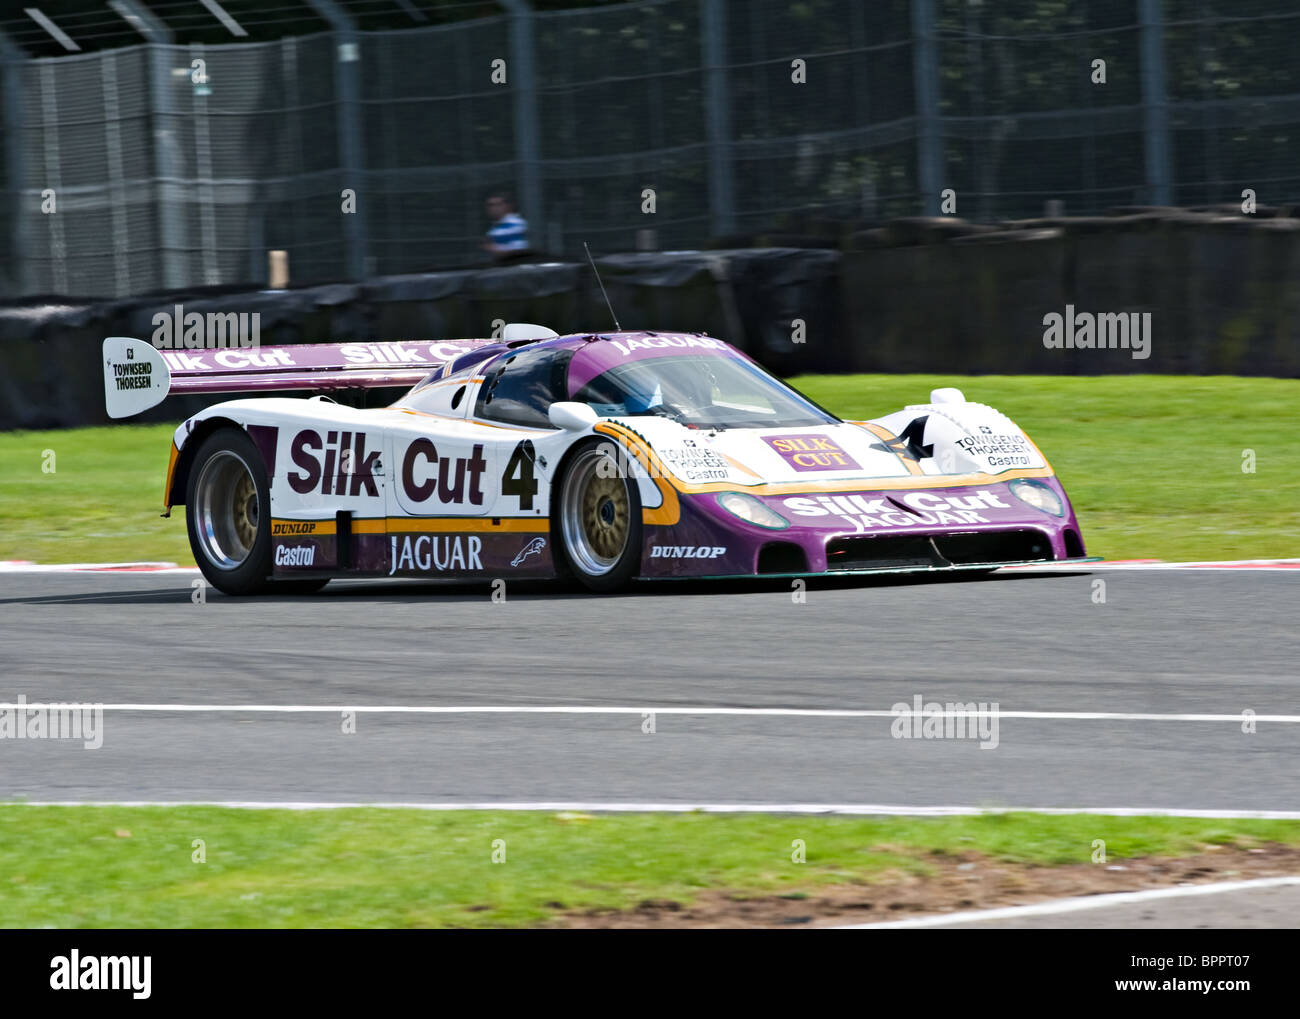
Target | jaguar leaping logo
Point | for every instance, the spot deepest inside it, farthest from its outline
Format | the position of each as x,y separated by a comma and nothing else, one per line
534,547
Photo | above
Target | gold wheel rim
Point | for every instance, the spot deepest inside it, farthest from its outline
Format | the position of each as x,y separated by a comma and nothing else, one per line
244,511
605,516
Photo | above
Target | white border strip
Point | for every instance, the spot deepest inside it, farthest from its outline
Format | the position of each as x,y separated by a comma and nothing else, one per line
632,807
1072,905
593,709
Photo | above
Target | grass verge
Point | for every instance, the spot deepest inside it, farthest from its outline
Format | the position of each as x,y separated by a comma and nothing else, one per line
1153,464
370,867
88,495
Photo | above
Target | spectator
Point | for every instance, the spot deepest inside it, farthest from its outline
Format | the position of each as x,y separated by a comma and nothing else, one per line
509,232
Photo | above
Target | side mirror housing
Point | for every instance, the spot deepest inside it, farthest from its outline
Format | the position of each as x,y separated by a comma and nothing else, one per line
572,416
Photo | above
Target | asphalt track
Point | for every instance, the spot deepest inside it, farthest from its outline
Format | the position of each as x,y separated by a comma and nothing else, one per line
1169,643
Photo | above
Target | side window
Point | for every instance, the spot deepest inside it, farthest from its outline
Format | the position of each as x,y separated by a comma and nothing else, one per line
437,395
519,388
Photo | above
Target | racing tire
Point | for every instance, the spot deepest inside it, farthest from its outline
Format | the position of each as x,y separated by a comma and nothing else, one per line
598,516
228,513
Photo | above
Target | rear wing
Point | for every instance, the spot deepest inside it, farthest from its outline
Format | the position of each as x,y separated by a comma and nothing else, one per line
138,376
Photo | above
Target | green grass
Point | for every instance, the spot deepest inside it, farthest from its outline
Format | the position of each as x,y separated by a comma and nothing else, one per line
101,502
1153,464
133,867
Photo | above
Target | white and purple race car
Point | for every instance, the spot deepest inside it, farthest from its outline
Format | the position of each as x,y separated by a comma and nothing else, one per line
603,457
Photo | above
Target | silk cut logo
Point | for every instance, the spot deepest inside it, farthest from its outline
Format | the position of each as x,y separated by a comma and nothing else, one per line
812,452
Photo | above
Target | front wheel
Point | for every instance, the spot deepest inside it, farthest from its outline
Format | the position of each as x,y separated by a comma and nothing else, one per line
228,513
600,516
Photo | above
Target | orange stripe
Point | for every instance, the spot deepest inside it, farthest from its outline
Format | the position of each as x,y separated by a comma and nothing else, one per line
421,524
1047,463
670,511
883,434
739,466
385,525
167,485
481,525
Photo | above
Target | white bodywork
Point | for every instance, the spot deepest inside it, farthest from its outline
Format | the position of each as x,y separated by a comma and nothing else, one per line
442,462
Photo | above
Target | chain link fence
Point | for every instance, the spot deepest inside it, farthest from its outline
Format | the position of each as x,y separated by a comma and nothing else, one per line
159,167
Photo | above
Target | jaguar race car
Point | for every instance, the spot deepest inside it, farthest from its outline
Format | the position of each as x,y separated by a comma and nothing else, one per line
603,457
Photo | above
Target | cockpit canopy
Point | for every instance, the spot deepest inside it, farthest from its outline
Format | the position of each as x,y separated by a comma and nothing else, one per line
697,381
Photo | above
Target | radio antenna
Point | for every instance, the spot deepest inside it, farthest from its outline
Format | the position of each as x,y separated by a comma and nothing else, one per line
608,304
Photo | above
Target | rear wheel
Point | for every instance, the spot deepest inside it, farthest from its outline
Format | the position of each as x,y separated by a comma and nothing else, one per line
600,516
228,513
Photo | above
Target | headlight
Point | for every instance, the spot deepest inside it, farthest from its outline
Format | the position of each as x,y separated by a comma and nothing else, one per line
1038,495
752,510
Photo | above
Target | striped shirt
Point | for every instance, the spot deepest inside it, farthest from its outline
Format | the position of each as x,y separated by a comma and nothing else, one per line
510,232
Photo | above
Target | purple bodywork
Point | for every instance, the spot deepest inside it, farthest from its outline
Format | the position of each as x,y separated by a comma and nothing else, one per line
843,543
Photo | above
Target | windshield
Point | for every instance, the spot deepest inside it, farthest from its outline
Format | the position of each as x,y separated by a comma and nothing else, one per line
700,392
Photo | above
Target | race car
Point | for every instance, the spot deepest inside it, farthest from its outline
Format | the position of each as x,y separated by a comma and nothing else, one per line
598,456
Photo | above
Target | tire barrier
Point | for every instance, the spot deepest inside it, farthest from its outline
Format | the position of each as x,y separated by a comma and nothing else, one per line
1212,292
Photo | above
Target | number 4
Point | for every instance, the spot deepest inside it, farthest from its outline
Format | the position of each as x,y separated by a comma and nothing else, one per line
518,478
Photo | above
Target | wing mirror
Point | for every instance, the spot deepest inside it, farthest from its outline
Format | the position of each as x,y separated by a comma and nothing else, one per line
572,416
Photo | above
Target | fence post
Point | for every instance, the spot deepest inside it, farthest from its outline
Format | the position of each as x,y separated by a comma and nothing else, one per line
925,82
12,58
115,190
52,176
524,97
347,85
172,253
1155,113
203,173
717,116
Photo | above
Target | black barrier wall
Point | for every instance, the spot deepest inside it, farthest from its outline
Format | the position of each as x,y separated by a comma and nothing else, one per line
749,297
1221,295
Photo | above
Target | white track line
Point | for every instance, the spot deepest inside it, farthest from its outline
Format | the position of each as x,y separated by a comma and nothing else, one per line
589,709
1073,905
633,807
